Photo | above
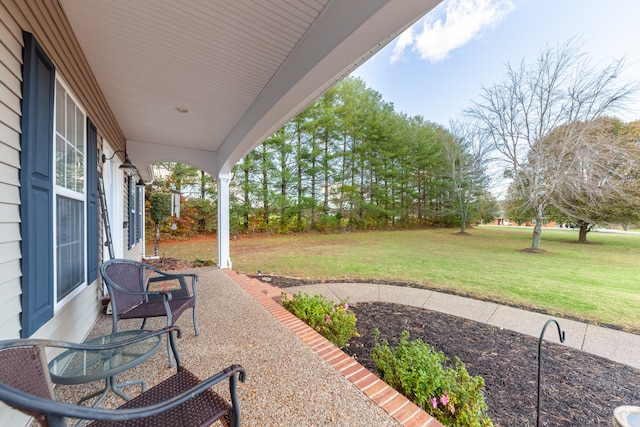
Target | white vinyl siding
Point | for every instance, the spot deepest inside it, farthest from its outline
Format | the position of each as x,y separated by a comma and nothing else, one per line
10,258
10,255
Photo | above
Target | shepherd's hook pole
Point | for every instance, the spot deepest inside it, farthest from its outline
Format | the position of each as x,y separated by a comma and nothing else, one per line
561,335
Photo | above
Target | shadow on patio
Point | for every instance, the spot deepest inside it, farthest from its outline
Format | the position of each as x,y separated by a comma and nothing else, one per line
288,383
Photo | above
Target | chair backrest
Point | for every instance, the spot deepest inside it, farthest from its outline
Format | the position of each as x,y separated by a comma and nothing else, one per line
25,368
124,274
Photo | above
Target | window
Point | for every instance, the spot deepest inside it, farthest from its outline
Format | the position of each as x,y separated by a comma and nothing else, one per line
136,211
70,194
139,212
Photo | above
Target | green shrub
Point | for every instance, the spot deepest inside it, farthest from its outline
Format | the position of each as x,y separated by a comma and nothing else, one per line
203,262
418,371
335,322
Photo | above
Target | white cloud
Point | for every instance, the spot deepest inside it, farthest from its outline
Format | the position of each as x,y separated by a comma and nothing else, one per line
444,31
405,40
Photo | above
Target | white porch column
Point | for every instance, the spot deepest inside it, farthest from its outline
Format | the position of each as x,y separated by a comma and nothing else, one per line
224,258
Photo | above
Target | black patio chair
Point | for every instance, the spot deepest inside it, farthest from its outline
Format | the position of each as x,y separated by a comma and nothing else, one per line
182,399
131,287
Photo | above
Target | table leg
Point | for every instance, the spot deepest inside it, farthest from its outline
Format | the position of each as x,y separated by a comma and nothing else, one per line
117,387
111,384
102,393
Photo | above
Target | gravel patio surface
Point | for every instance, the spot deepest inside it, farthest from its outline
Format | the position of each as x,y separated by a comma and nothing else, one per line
287,383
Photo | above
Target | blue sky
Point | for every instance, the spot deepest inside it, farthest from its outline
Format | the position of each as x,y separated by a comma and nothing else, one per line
437,67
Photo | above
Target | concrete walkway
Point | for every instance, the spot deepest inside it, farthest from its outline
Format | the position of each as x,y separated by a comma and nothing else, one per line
615,345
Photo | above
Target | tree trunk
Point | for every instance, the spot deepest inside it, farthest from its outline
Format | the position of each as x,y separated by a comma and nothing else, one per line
584,229
325,168
265,188
157,245
464,209
299,175
247,195
202,184
537,232
313,183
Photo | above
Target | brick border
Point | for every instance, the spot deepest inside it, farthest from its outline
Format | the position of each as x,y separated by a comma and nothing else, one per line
399,407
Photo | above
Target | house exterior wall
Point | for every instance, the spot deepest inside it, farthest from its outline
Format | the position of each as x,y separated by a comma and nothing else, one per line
10,95
45,19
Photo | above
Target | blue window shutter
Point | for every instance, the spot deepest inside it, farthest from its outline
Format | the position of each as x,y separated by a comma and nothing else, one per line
36,186
92,202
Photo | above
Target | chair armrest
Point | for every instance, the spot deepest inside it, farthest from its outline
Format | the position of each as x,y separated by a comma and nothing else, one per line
165,294
175,276
194,276
170,276
28,401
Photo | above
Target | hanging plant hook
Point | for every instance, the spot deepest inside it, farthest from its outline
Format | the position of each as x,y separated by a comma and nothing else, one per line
561,336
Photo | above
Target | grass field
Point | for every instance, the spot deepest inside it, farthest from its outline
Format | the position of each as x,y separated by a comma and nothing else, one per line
598,282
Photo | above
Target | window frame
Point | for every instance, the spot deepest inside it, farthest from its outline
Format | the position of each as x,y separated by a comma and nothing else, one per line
135,212
71,194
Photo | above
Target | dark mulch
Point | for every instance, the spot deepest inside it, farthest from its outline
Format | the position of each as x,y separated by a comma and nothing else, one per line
578,389
169,264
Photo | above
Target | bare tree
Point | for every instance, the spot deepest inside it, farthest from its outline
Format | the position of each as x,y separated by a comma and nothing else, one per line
561,88
466,158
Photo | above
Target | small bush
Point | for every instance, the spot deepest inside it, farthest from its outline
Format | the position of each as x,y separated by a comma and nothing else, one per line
335,322
417,370
203,262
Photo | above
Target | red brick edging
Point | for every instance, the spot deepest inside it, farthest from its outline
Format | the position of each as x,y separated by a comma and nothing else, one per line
399,407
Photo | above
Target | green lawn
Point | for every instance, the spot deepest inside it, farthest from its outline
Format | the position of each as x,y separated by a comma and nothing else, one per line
599,282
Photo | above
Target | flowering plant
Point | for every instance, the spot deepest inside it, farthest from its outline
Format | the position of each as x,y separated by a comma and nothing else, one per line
418,371
333,321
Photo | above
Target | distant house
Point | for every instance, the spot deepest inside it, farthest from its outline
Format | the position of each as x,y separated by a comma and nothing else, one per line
531,223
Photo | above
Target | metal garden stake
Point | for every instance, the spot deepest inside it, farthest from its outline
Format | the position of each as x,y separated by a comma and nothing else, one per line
561,334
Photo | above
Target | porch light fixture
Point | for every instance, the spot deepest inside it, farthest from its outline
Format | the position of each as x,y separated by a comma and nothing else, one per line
127,166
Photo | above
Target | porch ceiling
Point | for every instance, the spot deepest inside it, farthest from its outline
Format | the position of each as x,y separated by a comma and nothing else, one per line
241,68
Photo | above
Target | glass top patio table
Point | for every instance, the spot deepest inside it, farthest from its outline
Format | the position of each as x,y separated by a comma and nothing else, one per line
83,366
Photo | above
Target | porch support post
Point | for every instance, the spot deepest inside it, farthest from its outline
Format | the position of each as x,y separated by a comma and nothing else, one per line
224,258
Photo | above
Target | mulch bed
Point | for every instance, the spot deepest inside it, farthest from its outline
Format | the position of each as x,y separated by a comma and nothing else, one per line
578,389
169,264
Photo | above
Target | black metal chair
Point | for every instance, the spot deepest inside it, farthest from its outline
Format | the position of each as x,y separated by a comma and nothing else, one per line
130,285
182,399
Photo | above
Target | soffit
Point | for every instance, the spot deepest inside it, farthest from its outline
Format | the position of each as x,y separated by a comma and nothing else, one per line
227,62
